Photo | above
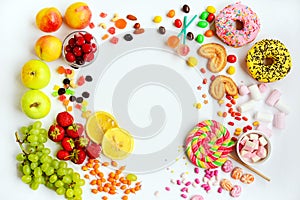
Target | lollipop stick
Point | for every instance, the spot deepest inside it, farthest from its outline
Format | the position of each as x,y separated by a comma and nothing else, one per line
184,32
249,167
189,23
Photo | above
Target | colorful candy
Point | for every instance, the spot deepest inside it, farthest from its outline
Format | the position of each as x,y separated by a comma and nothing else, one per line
247,178
236,191
208,144
202,24
192,61
226,184
157,19
227,166
231,58
237,173
200,38
178,23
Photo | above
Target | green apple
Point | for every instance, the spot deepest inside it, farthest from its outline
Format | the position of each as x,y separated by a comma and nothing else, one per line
35,74
35,104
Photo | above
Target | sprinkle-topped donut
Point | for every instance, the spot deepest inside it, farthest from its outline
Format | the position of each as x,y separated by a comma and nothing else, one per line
226,25
268,61
208,144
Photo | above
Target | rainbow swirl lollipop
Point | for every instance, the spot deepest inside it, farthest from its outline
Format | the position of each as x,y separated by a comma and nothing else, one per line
208,144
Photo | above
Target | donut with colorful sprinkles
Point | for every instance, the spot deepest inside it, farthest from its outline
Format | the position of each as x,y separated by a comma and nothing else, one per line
268,61
237,25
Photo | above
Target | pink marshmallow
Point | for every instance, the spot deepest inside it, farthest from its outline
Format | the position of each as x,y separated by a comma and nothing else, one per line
261,152
246,154
264,129
273,97
249,146
243,90
255,158
244,140
279,120
263,87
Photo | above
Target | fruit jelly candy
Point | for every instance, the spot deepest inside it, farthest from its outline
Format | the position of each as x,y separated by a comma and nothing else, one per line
114,40
81,81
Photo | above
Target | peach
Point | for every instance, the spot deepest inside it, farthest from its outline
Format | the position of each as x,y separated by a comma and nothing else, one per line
78,15
48,48
49,19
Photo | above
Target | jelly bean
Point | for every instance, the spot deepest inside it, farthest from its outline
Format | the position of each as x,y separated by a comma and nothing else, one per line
131,177
112,30
202,24
190,36
128,37
230,70
210,17
157,19
131,17
178,23
103,15
192,62
200,38
139,31
171,13
204,15
183,50
114,40
186,8
209,33
173,41
211,9
136,26
231,58
162,30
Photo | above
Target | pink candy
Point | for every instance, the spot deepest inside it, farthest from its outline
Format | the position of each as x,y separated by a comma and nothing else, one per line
273,97
227,166
243,90
236,191
279,120
197,197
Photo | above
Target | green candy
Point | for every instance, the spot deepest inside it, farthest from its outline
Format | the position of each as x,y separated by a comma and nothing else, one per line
204,15
200,38
202,24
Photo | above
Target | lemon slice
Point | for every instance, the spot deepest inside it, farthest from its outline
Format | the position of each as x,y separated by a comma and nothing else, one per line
97,124
117,144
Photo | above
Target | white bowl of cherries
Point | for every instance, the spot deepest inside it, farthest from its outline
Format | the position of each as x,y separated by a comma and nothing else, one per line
80,49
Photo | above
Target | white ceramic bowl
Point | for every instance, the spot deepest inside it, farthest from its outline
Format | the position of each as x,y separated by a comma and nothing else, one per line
239,147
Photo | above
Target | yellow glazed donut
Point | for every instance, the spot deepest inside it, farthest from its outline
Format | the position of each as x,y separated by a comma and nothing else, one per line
268,61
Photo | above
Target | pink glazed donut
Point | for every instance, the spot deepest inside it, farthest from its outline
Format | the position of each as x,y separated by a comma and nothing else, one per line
229,32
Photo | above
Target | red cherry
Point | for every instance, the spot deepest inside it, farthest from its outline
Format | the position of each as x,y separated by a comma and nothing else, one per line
70,57
72,42
88,37
80,40
68,48
86,48
178,23
231,58
88,57
77,51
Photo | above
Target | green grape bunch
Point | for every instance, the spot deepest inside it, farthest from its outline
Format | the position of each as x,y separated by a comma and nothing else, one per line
37,166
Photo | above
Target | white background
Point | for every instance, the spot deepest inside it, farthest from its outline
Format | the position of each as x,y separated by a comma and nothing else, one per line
279,20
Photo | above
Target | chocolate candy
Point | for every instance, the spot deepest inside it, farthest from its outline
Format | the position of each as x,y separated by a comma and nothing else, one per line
190,36
162,30
186,8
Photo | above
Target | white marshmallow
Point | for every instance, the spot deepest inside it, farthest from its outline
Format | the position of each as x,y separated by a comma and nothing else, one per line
266,117
254,92
281,106
249,105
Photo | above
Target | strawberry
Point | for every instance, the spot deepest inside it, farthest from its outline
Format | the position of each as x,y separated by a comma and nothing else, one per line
64,119
78,156
81,142
63,155
68,144
56,133
72,131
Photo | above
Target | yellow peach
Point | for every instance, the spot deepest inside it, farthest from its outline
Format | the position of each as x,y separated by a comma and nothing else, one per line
78,15
49,19
48,48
